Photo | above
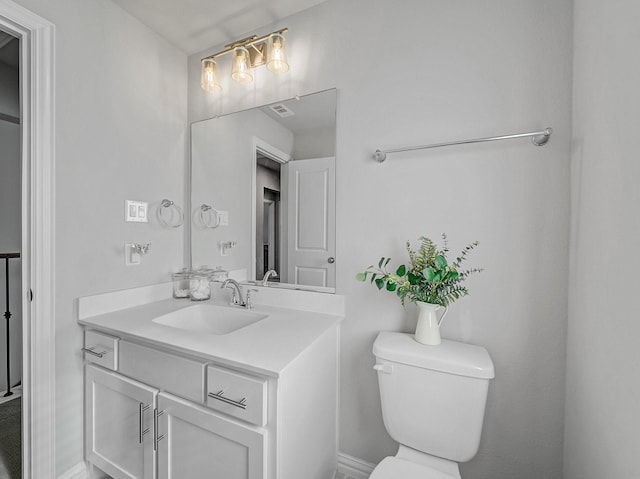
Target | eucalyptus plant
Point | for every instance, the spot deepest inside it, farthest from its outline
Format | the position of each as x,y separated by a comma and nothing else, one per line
428,277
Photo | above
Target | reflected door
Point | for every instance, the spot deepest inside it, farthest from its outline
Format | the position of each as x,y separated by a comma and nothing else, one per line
311,222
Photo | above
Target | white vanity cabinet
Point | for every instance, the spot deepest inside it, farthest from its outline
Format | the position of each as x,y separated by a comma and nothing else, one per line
119,424
196,443
168,415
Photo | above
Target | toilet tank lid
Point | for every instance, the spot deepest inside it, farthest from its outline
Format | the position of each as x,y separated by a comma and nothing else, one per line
450,357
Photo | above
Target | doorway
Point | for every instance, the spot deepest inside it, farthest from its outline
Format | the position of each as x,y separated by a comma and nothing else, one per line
10,255
267,215
36,80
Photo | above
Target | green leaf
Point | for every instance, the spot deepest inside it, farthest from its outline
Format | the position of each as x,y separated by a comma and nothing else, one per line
373,277
441,262
380,262
387,262
402,269
379,283
391,286
429,274
452,275
361,276
413,279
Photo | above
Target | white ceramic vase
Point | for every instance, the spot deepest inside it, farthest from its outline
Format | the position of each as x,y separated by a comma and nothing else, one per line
428,327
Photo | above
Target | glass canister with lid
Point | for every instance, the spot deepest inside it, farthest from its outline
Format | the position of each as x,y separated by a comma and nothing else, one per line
199,286
219,274
181,284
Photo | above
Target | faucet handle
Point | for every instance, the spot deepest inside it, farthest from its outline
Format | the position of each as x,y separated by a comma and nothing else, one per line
249,304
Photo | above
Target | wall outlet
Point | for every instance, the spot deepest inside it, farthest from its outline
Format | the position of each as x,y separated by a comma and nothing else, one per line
136,211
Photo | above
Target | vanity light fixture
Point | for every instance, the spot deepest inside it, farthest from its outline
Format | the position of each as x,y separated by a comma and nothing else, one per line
248,53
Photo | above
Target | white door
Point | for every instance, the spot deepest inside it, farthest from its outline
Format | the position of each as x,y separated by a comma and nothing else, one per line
200,444
119,424
311,222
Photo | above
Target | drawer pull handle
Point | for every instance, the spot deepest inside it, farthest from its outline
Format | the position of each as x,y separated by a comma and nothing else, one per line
242,404
91,351
142,408
156,438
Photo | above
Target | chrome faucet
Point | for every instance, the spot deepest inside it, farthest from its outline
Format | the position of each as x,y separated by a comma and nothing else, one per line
265,278
237,299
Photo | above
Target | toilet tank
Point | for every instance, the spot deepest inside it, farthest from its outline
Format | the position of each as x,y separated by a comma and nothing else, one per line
433,397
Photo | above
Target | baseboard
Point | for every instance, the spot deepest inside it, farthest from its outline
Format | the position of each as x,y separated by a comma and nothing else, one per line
79,471
350,467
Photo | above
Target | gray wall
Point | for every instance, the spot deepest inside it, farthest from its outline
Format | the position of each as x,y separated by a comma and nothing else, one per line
603,365
415,72
120,134
10,224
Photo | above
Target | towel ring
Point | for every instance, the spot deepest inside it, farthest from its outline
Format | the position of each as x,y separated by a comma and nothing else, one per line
170,214
209,216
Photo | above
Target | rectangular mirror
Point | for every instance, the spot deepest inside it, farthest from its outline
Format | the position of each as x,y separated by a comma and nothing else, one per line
263,192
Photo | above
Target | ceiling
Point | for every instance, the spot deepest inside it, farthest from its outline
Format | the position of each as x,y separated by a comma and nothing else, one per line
195,25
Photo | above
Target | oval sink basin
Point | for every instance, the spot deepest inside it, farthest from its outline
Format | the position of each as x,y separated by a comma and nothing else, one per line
209,319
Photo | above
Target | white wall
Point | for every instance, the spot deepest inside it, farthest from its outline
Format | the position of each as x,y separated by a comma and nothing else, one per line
10,225
10,237
603,391
120,134
416,72
316,143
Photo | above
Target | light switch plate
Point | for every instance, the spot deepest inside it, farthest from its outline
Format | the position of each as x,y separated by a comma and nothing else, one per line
136,211
223,218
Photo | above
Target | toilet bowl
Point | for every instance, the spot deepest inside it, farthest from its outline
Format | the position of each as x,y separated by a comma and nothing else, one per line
433,400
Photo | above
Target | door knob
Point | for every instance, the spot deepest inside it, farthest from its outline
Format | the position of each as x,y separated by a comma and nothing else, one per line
331,260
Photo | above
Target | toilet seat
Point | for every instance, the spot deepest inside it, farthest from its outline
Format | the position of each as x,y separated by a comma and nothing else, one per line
395,468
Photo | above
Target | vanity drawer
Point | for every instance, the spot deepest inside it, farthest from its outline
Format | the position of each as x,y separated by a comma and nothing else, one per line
101,349
167,372
238,395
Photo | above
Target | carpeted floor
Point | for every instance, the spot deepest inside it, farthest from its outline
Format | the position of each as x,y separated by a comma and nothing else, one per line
11,439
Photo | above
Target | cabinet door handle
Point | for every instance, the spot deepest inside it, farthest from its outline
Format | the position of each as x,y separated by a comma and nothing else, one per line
242,404
91,351
156,438
141,409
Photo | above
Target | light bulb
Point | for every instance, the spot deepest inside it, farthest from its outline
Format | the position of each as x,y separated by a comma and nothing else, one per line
241,67
209,80
276,55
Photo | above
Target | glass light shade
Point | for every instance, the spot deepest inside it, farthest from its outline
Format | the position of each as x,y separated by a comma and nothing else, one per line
241,67
209,80
276,55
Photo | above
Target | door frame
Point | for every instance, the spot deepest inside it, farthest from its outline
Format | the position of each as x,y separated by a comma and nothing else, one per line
258,145
37,43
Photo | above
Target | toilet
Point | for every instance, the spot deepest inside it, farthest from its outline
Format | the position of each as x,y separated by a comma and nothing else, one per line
433,400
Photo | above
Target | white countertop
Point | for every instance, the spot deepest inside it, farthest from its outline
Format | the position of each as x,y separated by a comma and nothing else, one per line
264,347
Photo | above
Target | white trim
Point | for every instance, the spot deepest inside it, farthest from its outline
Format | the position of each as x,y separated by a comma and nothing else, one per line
38,267
352,467
79,471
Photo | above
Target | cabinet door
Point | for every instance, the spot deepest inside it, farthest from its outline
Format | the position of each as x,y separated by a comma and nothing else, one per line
199,444
119,424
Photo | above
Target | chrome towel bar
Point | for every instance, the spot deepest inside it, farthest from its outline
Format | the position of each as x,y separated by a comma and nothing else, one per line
538,138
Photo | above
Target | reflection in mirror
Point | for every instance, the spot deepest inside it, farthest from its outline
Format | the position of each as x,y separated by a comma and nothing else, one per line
268,174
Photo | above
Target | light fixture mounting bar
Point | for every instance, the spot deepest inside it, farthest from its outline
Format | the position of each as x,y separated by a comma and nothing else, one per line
244,42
